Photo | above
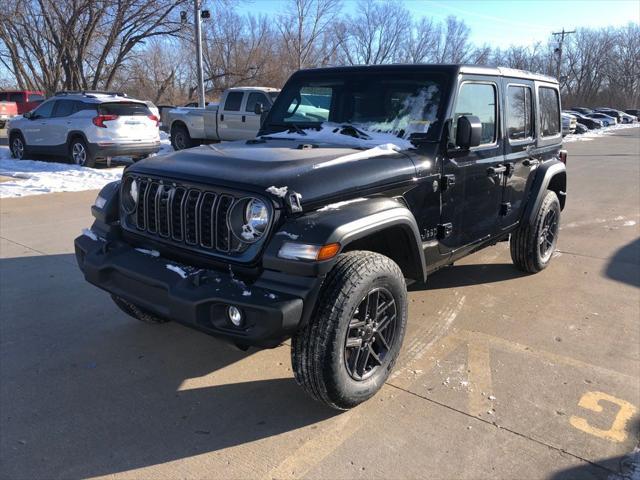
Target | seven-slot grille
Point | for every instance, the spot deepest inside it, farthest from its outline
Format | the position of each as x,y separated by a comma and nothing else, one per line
183,215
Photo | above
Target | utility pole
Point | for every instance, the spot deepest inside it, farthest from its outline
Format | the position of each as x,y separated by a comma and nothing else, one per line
562,34
198,32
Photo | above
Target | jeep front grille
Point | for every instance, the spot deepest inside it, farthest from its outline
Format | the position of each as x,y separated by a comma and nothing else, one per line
191,217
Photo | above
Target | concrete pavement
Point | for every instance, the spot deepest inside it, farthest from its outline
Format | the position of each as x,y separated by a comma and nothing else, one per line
502,375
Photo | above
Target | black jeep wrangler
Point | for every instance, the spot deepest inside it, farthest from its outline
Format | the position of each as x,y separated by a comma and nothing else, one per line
361,179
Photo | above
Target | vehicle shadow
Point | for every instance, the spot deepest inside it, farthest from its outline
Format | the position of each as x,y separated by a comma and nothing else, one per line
467,275
624,266
621,467
88,391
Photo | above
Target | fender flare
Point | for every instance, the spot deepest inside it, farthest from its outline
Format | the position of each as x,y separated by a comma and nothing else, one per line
344,225
544,176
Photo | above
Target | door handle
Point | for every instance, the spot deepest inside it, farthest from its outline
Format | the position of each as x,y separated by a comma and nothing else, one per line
243,117
497,170
531,162
222,117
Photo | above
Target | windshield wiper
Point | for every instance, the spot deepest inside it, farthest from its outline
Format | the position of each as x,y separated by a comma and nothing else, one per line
293,126
350,130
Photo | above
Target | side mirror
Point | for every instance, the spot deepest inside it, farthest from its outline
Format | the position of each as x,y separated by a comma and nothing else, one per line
258,108
28,115
468,132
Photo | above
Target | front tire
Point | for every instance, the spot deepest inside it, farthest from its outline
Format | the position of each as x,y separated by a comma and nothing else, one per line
136,312
18,146
533,246
346,352
80,155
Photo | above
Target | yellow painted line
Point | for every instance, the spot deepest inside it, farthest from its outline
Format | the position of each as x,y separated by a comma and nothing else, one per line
479,363
508,345
617,432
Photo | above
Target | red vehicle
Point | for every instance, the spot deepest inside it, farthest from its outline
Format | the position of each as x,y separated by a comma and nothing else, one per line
7,110
26,100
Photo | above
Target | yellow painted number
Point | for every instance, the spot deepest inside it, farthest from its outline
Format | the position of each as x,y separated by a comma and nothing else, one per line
591,401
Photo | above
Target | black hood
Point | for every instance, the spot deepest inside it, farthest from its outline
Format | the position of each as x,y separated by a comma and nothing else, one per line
318,174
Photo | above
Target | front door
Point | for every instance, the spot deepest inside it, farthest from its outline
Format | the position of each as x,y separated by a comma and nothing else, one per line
37,133
253,120
472,179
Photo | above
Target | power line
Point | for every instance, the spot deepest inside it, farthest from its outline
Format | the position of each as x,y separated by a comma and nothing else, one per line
562,34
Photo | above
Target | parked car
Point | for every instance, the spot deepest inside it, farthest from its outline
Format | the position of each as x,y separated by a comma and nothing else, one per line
86,127
606,119
8,110
612,113
26,100
234,119
582,110
633,111
568,124
580,128
626,118
590,123
313,230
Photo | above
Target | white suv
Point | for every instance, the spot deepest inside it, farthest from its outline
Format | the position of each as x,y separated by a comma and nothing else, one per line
85,127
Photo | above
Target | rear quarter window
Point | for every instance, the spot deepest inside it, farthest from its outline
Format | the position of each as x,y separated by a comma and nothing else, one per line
124,109
549,111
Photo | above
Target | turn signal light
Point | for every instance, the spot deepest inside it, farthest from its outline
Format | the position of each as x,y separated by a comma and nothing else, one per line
328,251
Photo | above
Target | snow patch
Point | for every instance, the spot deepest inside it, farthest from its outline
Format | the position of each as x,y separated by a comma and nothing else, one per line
248,232
338,205
277,191
246,293
177,269
292,236
600,132
629,223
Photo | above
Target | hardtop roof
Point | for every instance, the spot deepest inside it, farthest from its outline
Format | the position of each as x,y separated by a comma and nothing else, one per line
433,67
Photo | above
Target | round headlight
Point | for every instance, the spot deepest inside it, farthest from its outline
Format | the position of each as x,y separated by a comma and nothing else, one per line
249,220
130,195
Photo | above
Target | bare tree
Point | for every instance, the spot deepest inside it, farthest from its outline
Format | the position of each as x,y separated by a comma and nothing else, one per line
303,32
422,42
78,44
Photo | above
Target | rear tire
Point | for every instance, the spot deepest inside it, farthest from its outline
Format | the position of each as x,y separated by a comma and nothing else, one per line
533,246
343,356
18,146
79,153
180,138
136,312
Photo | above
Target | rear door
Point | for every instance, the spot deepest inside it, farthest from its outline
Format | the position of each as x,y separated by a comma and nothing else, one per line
129,121
520,156
471,199
230,117
60,122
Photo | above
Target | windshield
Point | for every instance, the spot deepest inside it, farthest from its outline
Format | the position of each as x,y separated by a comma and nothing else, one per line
407,106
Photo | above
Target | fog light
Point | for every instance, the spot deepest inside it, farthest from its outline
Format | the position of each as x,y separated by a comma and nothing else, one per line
235,315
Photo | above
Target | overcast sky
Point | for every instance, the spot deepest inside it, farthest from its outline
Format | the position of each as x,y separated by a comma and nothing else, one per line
503,22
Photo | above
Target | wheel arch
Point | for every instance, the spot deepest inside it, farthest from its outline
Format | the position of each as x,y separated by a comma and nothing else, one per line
551,175
73,134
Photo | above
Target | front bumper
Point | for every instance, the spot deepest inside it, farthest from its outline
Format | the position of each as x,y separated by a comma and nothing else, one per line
272,304
124,149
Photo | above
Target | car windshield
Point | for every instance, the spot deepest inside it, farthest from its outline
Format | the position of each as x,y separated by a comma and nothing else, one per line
368,104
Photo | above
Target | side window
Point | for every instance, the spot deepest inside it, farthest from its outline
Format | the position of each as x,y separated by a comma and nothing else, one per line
549,111
519,113
36,97
44,110
64,108
256,97
312,105
478,99
233,101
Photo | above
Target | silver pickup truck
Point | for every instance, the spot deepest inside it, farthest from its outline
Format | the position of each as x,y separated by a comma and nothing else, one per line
234,118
